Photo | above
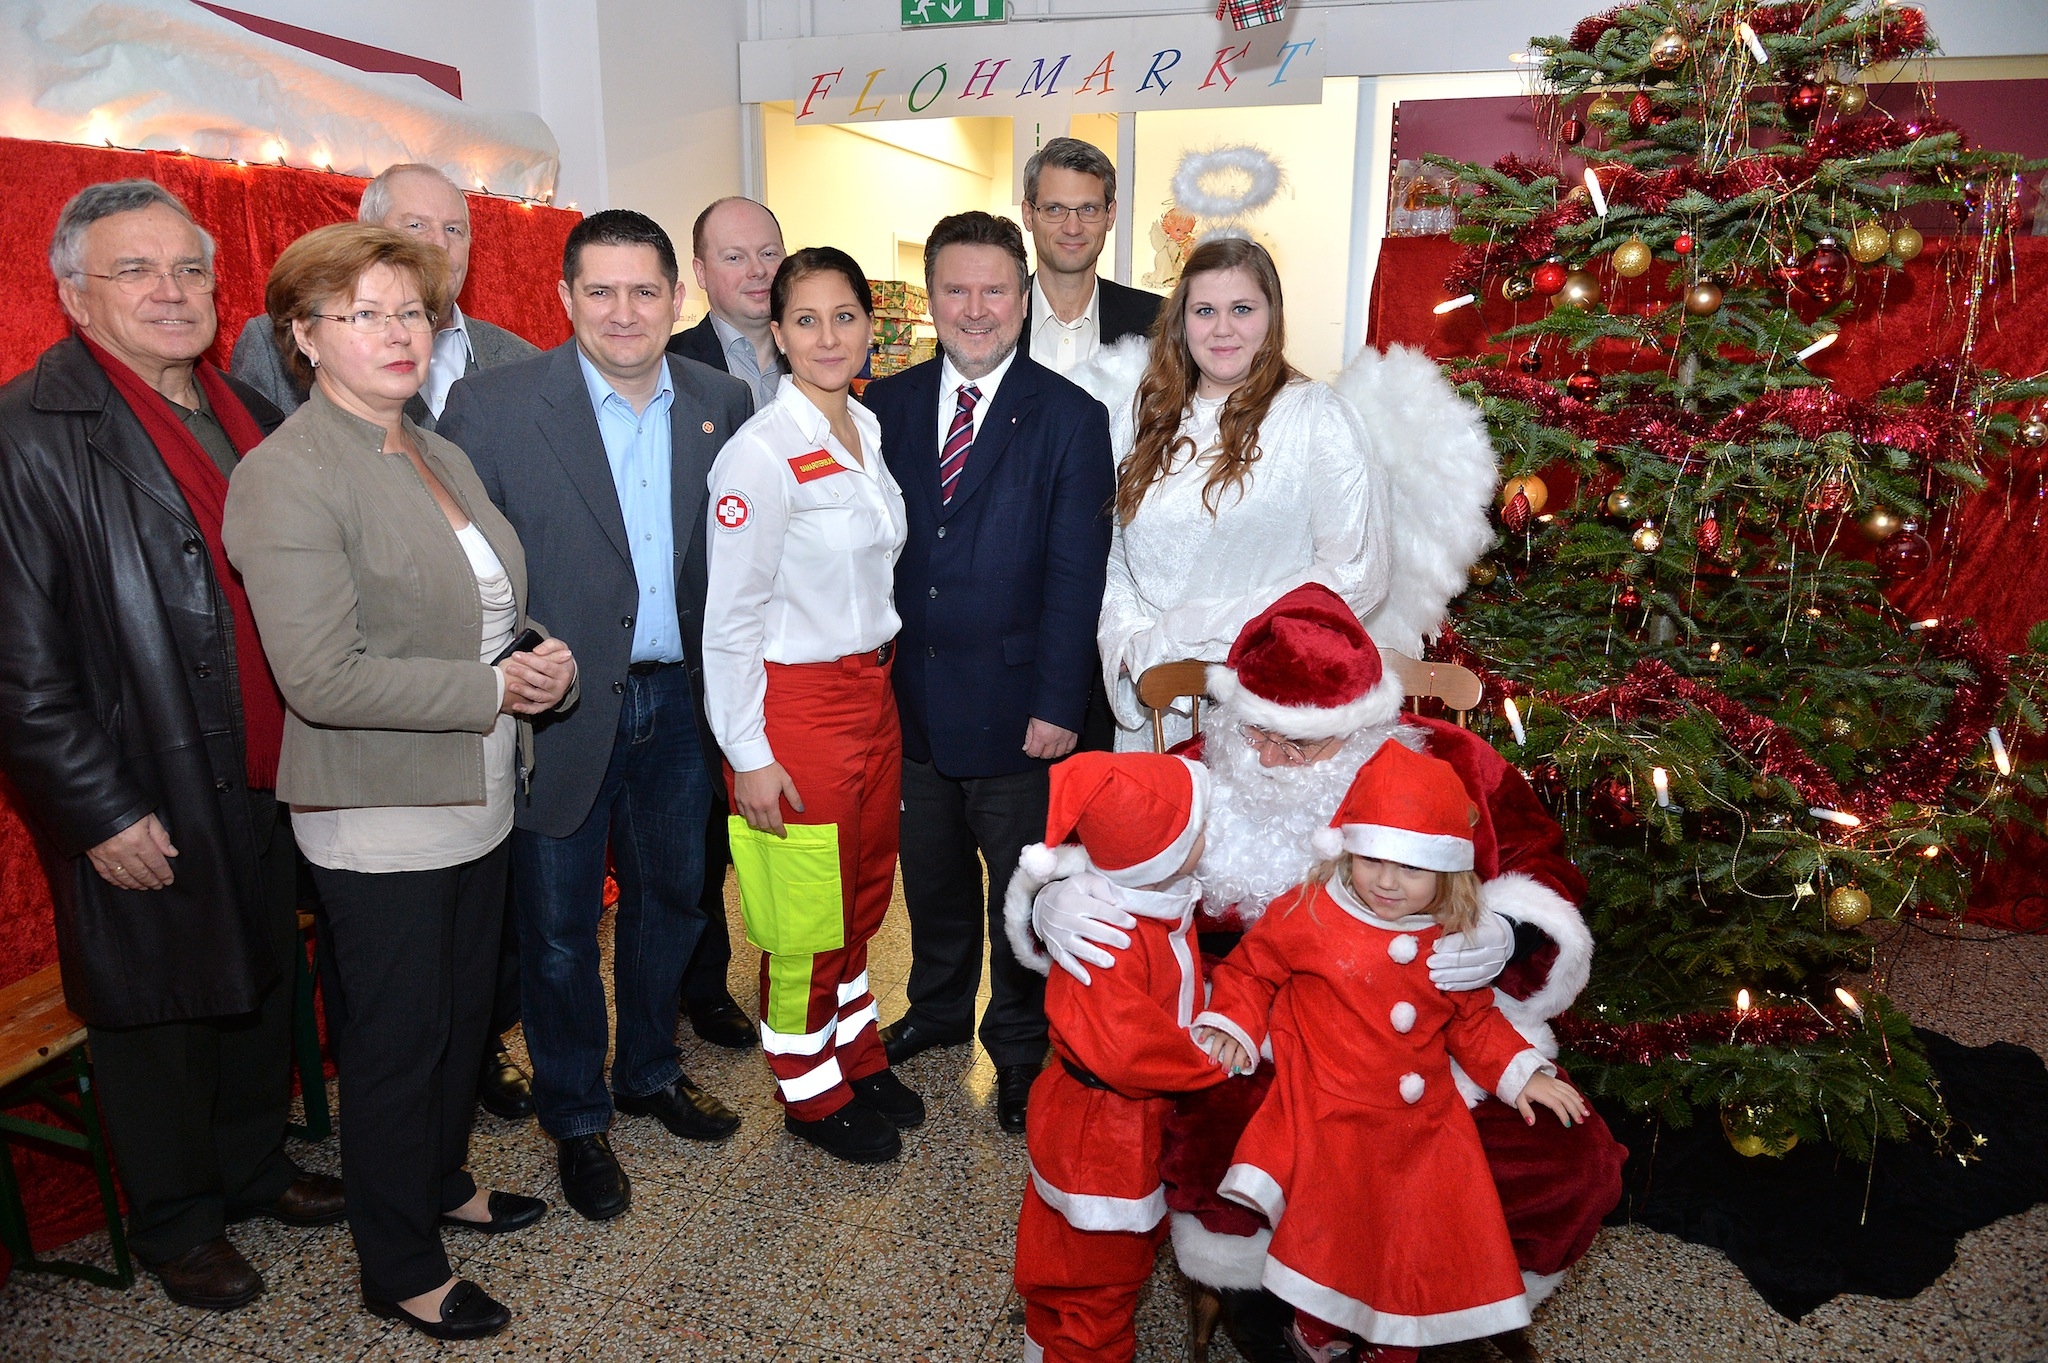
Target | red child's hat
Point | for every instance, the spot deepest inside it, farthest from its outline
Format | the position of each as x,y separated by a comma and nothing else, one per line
1136,813
1405,807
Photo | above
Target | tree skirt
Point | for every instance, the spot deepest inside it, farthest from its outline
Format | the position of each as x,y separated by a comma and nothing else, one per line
1798,1227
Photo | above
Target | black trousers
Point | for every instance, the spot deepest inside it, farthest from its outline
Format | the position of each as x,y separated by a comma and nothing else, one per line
196,1110
704,979
505,993
952,829
416,956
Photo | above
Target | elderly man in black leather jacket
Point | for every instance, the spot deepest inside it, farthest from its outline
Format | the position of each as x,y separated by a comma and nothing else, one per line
127,728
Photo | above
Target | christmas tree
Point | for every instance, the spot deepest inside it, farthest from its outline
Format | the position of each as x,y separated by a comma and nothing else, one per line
1750,747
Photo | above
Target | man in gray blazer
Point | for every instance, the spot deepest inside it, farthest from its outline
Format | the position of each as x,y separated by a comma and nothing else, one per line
597,452
421,202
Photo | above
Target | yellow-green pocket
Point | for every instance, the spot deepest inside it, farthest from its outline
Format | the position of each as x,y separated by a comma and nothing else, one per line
789,887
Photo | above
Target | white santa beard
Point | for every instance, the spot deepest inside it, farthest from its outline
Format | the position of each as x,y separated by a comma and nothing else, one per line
1261,818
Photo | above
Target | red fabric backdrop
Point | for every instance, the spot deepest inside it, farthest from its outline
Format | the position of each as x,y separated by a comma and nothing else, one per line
254,212
1989,566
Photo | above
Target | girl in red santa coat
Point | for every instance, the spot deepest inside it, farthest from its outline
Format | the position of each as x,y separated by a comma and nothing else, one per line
1365,1158
1094,1211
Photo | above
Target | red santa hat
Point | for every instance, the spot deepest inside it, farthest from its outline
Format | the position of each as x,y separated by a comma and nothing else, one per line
1405,807
1137,814
1304,668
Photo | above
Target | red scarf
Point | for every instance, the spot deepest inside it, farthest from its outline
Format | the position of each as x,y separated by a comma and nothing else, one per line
206,495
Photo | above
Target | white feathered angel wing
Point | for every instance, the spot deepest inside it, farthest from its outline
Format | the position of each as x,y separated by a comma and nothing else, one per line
1111,377
1438,471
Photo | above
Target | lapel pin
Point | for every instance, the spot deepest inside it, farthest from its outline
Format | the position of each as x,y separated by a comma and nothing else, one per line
707,428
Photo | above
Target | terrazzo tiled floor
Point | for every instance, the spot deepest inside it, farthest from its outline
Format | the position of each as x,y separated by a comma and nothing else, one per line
761,1249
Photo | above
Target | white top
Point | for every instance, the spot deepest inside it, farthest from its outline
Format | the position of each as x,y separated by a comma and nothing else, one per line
1182,582
450,361
429,837
804,540
952,380
1064,346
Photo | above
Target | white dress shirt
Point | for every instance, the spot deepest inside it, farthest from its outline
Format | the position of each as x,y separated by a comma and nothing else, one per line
951,381
452,354
804,539
1064,346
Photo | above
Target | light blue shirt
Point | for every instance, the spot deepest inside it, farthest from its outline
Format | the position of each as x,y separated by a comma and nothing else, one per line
641,455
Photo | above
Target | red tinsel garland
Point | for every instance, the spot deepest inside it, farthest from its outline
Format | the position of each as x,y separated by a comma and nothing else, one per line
1918,774
1645,1043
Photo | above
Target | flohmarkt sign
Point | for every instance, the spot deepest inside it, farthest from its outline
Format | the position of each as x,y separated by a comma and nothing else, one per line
1026,70
926,13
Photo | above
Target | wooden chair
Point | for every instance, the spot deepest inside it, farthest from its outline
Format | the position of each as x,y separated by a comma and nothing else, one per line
1161,686
42,1053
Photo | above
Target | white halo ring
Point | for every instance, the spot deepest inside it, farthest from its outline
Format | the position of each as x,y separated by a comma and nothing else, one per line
1196,166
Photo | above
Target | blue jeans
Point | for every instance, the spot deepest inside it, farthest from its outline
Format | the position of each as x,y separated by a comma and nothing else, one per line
650,809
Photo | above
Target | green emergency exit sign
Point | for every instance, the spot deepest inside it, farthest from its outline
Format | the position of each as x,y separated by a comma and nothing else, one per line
931,13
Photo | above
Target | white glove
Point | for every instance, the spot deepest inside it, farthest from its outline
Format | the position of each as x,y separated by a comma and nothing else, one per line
1473,960
1072,915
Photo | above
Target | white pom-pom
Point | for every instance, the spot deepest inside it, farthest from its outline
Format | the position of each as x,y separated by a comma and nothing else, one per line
1326,843
1403,1017
1402,949
1411,1088
1038,861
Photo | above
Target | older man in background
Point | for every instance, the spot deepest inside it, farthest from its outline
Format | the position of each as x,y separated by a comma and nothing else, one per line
422,202
140,723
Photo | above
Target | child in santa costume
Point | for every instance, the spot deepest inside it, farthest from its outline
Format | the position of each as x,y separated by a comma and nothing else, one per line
1364,1158
1095,1210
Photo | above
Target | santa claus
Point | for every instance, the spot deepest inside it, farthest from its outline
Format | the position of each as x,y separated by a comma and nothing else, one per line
1301,703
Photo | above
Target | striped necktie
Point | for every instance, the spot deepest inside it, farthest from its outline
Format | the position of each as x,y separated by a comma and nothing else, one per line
959,440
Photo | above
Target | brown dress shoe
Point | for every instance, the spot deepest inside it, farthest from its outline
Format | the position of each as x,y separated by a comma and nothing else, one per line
311,1200
212,1276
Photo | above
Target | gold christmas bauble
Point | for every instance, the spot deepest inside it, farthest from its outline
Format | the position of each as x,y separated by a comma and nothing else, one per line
1847,97
1703,299
2034,432
1668,50
1631,258
1881,524
1482,574
1603,106
1906,243
1619,503
1848,906
1516,287
1646,539
1869,242
1531,487
1581,290
1750,1132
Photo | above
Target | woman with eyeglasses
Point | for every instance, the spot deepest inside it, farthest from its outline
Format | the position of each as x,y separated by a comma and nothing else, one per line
391,599
1238,480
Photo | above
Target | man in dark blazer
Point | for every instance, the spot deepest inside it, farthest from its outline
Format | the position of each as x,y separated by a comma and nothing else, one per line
145,769
1006,477
597,452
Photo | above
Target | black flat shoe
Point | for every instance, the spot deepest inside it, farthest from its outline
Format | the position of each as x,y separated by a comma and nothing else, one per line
903,1038
592,1181
855,1133
722,1022
503,1087
685,1109
467,1312
891,1097
1013,1094
509,1212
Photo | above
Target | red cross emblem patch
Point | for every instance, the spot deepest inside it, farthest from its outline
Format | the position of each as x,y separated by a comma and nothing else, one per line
732,511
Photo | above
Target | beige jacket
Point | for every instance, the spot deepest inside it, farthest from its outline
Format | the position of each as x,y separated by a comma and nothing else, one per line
369,611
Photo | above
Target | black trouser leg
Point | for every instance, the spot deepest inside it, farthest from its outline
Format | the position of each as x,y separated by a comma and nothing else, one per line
704,979
1006,812
505,996
417,954
1098,726
196,1110
942,892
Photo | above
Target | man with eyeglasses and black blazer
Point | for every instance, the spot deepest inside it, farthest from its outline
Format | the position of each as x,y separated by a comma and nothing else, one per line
1069,207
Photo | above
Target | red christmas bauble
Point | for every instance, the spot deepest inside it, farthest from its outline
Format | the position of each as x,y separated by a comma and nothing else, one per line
1804,104
1708,536
1904,555
1584,384
1639,111
1825,272
1548,277
1572,131
1611,809
1831,495
1515,515
1530,361
1629,599
1683,246
1548,782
